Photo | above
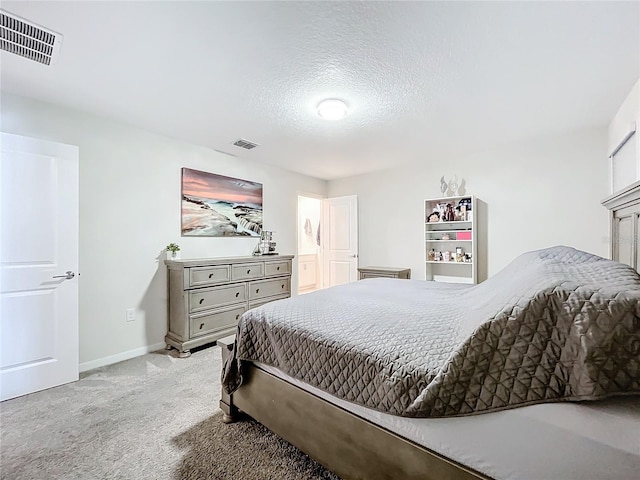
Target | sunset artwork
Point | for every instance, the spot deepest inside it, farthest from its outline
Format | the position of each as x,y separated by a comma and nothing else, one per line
218,206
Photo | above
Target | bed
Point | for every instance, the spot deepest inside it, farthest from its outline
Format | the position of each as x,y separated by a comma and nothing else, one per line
409,379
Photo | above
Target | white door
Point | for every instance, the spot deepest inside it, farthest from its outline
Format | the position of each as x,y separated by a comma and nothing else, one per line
340,240
39,244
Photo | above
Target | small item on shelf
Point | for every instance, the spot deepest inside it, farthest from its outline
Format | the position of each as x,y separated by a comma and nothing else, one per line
467,258
431,256
266,245
466,202
446,256
173,251
446,236
461,212
453,186
449,216
459,254
433,217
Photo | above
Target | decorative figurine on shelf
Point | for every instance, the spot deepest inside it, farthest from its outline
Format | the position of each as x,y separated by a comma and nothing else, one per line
433,217
431,255
453,187
266,245
461,213
443,185
449,215
466,202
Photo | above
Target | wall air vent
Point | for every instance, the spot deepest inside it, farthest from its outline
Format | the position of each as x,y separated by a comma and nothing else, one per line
242,143
28,40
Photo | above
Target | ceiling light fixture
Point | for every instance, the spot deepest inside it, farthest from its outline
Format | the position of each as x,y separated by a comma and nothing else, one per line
332,109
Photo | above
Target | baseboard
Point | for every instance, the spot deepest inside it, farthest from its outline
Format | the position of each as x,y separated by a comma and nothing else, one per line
119,357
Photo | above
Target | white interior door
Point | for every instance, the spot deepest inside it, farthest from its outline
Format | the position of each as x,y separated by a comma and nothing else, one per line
340,240
39,244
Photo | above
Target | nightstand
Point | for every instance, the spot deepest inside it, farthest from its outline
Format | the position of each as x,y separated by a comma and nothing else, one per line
387,272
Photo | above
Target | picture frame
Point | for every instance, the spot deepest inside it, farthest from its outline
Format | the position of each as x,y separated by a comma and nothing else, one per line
218,206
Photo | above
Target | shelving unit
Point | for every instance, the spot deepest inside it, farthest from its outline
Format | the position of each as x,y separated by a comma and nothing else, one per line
451,245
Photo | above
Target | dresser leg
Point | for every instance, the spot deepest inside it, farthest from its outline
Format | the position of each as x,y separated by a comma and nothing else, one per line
168,347
185,354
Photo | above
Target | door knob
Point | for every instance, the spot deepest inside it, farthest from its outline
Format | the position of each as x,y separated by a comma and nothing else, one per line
355,255
69,275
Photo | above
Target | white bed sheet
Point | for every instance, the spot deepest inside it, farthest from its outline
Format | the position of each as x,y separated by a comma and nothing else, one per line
554,441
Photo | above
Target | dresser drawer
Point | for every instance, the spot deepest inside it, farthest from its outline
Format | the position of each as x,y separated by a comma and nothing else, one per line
277,268
199,276
246,271
210,322
377,275
207,298
269,288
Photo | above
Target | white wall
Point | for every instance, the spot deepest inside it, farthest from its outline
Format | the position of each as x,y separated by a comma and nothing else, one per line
535,194
130,209
629,157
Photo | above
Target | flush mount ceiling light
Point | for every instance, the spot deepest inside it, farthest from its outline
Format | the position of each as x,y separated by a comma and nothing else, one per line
332,109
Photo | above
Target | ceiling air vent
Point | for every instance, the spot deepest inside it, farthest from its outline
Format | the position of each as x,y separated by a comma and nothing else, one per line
28,40
242,143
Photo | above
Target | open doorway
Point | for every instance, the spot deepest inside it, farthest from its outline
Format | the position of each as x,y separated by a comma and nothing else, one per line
309,253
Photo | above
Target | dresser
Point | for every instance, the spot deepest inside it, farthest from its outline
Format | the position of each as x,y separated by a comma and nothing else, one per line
388,272
207,296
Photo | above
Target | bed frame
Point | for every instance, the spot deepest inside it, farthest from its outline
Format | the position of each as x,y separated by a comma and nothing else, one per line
355,448
348,445
624,208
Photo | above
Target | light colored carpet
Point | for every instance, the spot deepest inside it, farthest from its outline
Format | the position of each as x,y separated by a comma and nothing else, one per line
152,417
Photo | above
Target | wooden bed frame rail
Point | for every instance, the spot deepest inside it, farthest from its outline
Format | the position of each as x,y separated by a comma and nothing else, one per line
348,445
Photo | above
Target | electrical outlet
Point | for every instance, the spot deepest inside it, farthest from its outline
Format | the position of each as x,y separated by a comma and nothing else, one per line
131,314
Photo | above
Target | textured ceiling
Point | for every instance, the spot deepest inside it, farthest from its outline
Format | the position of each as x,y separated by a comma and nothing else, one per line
423,81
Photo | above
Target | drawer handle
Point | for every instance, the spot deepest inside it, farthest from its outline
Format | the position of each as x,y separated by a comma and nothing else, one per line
237,316
278,268
210,275
201,325
201,300
237,294
257,290
283,285
248,271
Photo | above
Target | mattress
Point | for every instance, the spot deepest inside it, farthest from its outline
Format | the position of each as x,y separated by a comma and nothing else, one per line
553,441
556,324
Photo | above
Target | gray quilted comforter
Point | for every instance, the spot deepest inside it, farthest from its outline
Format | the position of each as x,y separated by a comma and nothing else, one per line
555,324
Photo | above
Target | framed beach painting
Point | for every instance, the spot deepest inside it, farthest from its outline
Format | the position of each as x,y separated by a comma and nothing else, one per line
218,206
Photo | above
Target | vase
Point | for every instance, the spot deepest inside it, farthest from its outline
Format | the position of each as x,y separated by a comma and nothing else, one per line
173,255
